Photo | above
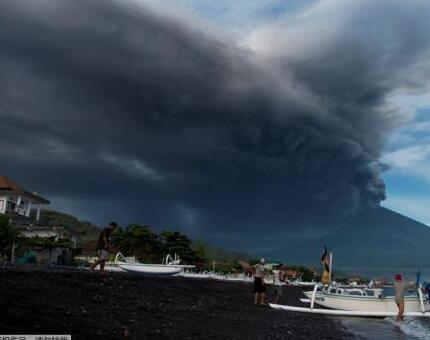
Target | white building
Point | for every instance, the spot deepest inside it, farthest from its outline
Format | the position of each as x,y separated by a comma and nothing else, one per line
23,208
15,201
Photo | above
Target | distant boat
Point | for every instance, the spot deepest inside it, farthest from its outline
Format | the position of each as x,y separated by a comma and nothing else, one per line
170,266
300,282
204,275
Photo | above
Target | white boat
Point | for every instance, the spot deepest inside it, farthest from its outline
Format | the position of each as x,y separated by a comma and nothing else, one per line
203,275
169,268
357,299
112,267
299,282
354,301
150,269
358,302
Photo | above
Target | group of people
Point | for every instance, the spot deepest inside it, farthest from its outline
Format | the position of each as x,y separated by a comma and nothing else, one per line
260,286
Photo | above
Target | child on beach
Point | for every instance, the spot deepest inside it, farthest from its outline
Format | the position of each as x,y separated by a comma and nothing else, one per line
103,246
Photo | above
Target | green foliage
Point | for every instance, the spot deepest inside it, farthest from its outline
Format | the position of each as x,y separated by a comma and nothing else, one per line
139,241
45,242
84,230
8,236
306,273
201,251
228,267
173,242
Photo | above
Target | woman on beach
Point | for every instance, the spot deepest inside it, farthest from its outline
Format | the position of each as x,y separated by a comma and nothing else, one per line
259,286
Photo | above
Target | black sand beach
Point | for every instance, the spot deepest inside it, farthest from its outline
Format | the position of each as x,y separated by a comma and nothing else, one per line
81,303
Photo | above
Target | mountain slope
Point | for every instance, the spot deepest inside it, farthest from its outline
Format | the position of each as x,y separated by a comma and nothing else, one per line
373,238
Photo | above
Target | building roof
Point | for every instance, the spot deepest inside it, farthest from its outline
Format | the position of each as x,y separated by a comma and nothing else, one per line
9,186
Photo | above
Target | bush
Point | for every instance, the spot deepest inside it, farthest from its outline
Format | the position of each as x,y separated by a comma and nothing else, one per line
8,236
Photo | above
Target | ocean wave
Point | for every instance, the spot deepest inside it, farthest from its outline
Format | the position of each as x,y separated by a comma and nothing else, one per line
417,328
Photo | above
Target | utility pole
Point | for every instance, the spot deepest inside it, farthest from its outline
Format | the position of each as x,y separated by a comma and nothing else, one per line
12,253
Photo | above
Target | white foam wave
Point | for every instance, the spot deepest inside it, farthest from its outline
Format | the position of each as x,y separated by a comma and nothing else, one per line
417,328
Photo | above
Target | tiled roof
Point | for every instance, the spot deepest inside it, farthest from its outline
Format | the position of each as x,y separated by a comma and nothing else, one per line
11,187
7,184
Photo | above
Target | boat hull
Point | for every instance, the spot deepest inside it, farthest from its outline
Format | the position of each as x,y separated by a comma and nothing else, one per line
303,283
150,270
377,314
365,303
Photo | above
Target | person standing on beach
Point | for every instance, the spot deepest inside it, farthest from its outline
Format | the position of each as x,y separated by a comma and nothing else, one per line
278,275
103,246
259,286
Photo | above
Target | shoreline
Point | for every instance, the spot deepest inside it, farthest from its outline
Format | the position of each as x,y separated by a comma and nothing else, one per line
81,303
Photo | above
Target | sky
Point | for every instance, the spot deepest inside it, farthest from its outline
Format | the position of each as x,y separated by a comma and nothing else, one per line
221,119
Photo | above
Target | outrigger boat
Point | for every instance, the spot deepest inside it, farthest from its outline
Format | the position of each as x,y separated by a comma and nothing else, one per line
352,301
168,268
358,302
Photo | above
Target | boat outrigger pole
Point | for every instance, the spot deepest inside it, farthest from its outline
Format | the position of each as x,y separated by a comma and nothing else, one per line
314,293
420,294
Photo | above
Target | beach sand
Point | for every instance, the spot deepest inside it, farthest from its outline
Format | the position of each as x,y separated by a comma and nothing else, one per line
78,302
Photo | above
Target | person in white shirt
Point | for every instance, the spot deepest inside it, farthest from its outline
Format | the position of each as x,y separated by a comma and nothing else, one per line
278,278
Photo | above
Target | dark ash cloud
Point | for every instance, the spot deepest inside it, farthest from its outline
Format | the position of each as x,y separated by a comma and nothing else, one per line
144,116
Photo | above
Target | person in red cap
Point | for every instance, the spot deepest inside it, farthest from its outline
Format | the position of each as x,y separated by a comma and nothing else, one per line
399,287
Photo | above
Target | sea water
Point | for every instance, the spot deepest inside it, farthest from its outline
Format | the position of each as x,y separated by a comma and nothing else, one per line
388,328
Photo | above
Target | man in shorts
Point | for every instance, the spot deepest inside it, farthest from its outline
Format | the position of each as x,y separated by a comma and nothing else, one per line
259,286
103,246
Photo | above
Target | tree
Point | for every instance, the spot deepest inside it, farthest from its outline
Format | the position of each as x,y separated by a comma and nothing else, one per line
201,250
139,241
8,236
173,242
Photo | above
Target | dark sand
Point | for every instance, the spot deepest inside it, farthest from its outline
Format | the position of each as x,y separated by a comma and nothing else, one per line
81,303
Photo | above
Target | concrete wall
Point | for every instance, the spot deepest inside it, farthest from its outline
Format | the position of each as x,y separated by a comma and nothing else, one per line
3,200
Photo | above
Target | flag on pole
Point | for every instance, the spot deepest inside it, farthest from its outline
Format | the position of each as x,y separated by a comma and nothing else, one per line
325,277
